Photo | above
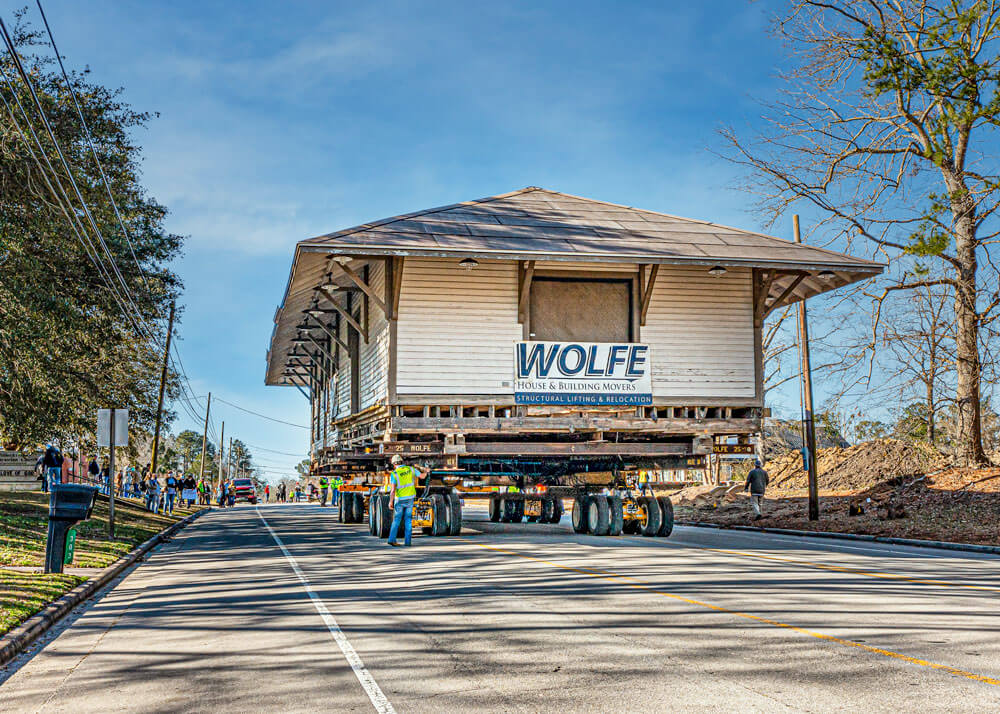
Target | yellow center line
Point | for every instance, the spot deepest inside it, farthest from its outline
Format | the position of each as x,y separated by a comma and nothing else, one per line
835,568
633,583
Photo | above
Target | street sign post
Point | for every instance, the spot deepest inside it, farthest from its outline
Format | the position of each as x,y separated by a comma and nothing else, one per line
112,431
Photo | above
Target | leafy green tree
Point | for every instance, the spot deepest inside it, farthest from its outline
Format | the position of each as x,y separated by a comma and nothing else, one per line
867,430
912,424
69,342
303,467
242,458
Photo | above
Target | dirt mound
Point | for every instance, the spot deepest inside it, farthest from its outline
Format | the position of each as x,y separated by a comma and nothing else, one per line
856,467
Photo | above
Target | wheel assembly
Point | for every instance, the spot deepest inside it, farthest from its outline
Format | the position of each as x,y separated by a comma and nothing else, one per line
455,509
598,515
616,516
372,514
495,510
439,510
580,507
385,516
666,517
649,516
557,510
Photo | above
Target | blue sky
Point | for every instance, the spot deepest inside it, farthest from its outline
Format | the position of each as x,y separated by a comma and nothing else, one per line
281,121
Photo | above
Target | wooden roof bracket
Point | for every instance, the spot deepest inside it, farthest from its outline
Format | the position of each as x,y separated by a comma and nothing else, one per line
393,284
769,308
364,287
763,281
344,313
332,336
525,272
319,346
646,287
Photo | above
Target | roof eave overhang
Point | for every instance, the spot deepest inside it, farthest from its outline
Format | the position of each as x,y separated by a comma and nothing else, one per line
855,266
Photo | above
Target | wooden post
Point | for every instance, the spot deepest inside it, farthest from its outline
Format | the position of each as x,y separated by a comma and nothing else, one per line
111,477
807,398
204,438
163,384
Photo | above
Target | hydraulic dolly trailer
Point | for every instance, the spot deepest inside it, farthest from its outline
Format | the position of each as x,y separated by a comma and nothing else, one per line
437,511
613,513
604,502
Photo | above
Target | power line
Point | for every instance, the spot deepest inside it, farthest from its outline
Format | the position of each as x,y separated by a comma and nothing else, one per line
258,414
83,237
274,451
90,140
62,157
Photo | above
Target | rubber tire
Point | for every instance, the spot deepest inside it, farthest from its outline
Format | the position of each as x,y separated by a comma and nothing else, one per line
547,506
518,512
653,519
598,516
580,508
359,508
616,518
346,508
495,510
455,507
340,514
439,508
666,517
372,514
557,510
506,510
630,528
385,517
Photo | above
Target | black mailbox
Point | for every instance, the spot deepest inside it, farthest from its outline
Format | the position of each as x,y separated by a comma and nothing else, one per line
69,503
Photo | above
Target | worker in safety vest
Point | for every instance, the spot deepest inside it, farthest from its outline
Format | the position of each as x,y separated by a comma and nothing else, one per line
324,486
402,492
337,483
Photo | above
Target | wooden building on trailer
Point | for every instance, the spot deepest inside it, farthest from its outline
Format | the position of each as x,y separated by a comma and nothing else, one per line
537,334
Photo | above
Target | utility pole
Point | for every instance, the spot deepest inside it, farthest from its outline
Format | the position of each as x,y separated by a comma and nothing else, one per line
204,438
163,384
229,458
807,398
222,448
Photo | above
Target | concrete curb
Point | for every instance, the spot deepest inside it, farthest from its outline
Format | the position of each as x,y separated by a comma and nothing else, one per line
22,636
940,544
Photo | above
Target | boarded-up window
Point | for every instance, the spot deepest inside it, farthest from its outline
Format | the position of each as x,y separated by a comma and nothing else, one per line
580,310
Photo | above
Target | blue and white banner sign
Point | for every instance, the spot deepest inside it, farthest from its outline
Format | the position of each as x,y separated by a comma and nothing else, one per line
602,373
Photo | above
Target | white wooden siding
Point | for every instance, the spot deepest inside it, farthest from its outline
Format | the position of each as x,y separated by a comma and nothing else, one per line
374,356
699,329
457,328
343,376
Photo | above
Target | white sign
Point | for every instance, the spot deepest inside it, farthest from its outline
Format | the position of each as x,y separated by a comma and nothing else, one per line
604,373
104,427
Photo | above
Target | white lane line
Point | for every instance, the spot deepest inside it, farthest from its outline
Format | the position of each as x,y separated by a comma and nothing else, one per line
374,692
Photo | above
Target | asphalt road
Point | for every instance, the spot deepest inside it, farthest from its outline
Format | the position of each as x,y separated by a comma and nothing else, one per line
523,618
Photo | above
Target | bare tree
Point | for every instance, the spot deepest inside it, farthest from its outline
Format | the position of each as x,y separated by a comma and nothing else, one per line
886,128
920,340
777,343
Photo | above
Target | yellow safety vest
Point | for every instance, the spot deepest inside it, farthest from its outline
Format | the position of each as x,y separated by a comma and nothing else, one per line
324,482
404,482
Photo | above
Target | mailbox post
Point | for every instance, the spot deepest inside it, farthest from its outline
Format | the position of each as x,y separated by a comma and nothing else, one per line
69,503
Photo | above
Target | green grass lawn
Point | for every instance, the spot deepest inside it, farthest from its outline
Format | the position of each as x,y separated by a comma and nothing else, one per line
23,528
